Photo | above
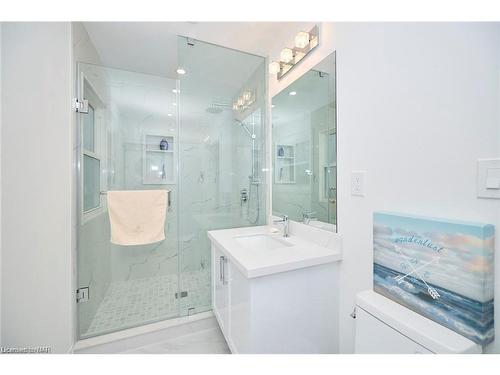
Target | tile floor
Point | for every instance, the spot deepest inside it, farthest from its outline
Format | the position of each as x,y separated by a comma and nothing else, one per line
197,337
136,302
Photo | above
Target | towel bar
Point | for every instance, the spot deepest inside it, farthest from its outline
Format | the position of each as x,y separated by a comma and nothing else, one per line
169,205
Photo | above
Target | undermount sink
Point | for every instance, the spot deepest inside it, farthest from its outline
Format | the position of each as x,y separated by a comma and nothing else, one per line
261,241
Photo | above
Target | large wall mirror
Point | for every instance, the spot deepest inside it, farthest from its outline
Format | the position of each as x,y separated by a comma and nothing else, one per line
304,148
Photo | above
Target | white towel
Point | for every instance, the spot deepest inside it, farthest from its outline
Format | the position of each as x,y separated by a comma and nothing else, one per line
137,217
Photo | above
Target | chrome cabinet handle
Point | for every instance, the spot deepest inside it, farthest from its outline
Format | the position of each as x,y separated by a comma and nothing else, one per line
221,269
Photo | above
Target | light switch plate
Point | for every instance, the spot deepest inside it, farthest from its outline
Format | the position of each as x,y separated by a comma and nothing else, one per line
488,178
358,183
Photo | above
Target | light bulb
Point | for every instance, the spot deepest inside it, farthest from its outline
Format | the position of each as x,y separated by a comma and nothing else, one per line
274,67
247,95
286,55
301,39
292,93
181,71
240,101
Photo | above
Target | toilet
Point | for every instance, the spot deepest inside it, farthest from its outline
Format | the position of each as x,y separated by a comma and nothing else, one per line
386,327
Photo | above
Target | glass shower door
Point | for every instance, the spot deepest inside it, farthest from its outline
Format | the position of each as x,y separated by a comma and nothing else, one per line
128,140
222,152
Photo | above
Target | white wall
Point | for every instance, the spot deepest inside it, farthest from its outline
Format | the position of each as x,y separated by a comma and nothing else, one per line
417,105
37,290
0,183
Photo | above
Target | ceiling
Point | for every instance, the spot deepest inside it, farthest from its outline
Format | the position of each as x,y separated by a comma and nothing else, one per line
151,47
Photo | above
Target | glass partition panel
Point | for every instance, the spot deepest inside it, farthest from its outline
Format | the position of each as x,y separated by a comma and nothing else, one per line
128,141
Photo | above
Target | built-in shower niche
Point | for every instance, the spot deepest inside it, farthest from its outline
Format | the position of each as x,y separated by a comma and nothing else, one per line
284,172
159,155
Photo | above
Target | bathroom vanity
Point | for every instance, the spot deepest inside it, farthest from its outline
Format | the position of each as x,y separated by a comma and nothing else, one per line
272,294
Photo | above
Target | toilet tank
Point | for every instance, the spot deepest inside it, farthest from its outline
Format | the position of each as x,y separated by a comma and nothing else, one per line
386,327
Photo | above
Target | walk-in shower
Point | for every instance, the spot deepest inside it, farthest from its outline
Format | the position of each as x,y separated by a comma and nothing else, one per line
146,132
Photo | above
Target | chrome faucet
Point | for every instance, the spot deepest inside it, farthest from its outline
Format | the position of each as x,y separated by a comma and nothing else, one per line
284,221
308,216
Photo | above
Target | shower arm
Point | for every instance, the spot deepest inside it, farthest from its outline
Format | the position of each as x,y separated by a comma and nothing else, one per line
251,134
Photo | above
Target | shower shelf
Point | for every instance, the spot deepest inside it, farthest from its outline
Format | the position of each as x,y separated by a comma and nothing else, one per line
284,164
158,165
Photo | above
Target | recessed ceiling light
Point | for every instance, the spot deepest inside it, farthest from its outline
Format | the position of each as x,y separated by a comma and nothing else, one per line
181,71
169,115
172,130
292,93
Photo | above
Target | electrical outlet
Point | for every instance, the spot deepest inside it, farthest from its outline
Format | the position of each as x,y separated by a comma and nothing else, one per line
358,183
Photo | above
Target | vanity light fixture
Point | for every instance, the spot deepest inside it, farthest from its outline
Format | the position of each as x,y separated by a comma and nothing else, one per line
286,55
244,100
305,42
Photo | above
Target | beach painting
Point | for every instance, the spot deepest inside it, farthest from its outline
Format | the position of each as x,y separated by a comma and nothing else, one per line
441,269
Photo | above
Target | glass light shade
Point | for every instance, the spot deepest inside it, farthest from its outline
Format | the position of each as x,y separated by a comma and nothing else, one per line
286,55
301,39
274,67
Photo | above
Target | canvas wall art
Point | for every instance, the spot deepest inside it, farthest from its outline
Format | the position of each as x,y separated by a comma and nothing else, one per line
441,269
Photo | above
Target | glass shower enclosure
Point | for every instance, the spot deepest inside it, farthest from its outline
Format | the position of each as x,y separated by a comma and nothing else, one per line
200,136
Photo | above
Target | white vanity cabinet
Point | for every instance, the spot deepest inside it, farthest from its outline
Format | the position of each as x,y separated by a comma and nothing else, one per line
292,311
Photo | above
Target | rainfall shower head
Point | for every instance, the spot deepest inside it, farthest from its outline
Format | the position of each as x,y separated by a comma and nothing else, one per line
217,108
214,109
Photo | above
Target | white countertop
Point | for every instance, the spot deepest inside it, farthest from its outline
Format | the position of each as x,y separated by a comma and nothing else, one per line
261,262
